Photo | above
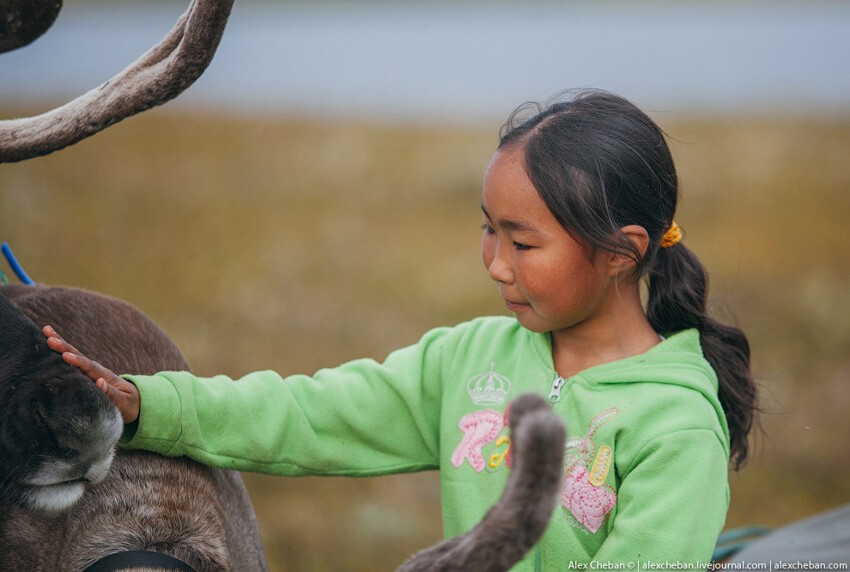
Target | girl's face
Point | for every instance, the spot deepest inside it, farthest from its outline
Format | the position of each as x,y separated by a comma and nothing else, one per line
547,279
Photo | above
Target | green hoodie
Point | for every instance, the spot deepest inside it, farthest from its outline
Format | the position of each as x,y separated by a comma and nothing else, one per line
645,478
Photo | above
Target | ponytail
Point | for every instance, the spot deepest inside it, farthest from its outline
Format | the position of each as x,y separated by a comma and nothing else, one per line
678,289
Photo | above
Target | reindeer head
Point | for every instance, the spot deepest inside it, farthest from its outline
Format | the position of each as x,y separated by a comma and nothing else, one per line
159,75
57,430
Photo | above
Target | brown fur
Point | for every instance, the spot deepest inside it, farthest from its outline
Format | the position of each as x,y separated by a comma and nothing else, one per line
147,502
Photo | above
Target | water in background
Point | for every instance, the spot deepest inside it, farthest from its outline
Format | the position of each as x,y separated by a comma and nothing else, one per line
467,62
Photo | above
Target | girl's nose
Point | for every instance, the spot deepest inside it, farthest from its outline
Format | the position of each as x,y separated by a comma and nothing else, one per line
499,269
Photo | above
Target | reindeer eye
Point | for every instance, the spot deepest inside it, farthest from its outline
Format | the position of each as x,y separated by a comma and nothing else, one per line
61,451
66,452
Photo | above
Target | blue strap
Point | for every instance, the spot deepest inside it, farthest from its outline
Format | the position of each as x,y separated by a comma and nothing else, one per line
16,267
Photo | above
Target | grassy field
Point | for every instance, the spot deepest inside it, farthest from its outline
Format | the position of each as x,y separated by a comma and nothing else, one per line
295,245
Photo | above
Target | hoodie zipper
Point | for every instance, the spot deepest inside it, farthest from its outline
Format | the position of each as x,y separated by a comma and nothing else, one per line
555,391
554,397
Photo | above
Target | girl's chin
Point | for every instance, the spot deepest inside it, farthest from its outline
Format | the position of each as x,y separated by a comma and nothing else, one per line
530,322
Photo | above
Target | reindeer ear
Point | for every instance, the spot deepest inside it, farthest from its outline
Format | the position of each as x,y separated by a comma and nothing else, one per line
18,333
23,21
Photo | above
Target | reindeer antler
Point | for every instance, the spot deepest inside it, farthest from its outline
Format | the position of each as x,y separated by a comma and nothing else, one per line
159,75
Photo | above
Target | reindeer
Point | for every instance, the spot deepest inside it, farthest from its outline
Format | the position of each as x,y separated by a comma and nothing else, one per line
69,500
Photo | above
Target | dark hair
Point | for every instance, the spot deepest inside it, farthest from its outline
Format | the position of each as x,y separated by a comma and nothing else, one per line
599,163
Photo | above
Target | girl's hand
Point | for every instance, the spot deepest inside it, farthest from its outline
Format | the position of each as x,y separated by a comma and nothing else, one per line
121,392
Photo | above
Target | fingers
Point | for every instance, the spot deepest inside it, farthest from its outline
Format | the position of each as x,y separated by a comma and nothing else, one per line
89,367
56,342
122,393
74,357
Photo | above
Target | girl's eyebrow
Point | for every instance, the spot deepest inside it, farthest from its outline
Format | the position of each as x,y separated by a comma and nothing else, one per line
511,224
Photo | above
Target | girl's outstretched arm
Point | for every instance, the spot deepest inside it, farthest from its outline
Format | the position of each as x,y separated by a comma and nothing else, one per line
121,392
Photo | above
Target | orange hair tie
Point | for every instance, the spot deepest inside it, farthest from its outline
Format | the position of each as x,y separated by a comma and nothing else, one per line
672,237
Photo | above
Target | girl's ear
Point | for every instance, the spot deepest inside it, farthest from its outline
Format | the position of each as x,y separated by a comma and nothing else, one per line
638,236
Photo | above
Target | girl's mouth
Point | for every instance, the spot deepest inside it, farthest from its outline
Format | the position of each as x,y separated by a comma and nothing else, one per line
515,306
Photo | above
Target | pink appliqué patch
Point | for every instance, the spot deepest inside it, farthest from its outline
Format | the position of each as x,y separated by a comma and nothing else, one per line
479,428
588,504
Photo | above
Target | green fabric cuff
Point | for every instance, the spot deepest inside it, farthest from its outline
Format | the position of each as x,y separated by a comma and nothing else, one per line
128,434
158,428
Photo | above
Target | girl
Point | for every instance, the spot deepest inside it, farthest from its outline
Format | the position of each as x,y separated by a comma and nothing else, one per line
578,203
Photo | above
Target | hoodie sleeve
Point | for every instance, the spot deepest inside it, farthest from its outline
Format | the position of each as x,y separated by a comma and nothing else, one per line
672,503
361,418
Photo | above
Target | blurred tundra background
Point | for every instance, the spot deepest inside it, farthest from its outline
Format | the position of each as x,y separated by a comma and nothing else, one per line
314,198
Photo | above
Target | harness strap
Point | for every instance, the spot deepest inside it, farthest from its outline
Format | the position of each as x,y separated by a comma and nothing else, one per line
16,267
137,559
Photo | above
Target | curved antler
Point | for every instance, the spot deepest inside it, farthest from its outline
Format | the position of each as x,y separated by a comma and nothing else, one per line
159,75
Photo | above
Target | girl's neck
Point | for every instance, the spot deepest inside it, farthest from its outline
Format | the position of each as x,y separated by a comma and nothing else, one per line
620,332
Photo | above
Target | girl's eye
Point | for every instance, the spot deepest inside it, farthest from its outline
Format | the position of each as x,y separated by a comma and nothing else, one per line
489,229
520,246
